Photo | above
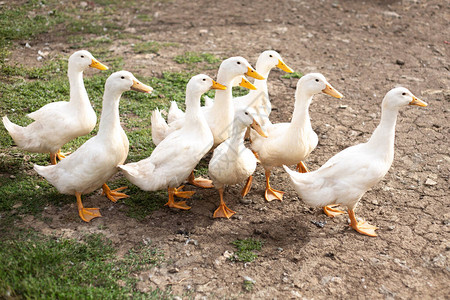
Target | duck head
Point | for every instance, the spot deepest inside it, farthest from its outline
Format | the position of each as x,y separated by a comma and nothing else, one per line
315,83
123,81
202,83
270,59
247,117
236,66
81,60
400,96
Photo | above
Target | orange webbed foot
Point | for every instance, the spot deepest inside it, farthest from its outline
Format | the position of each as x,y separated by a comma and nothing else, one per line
331,211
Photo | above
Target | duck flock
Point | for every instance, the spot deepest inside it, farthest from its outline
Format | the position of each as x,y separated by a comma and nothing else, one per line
222,124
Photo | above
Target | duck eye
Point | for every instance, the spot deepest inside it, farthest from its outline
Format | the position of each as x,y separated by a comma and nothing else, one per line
246,113
317,80
204,79
123,77
238,62
404,94
82,56
270,55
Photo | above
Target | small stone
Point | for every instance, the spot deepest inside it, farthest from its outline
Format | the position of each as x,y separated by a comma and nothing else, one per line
320,224
203,31
279,249
430,182
246,201
391,14
227,254
391,227
83,4
400,62
268,20
174,270
12,176
27,45
343,106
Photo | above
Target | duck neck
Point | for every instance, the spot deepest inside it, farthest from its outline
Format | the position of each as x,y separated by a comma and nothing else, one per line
384,135
237,137
110,119
78,94
193,113
261,85
300,116
223,106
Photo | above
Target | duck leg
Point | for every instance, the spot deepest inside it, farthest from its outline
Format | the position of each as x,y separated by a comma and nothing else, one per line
301,167
60,155
53,158
114,195
86,214
178,193
362,227
331,211
247,186
200,182
223,211
272,194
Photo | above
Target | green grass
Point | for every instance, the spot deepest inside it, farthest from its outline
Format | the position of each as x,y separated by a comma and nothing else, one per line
292,75
151,46
50,267
246,250
16,21
196,57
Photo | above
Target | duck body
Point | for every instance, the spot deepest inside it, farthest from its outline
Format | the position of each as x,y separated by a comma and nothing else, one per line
298,142
176,156
57,123
173,159
92,164
290,143
346,177
232,162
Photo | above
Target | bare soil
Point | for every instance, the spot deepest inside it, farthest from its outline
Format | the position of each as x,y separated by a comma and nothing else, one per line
364,49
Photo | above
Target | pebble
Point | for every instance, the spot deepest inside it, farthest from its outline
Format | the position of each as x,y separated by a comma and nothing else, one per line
320,224
430,182
227,254
392,14
174,270
400,62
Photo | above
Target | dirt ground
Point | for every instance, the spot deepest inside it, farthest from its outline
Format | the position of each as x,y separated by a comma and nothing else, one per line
364,49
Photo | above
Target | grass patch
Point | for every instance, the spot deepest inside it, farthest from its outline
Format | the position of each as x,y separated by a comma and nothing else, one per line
151,47
25,20
292,75
196,57
51,267
246,249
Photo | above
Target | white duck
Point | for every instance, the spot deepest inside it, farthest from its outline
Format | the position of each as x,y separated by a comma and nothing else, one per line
232,162
259,98
346,177
218,116
91,165
176,156
290,143
57,123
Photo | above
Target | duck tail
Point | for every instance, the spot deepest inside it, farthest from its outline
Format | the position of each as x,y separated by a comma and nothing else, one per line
209,101
159,127
19,134
174,112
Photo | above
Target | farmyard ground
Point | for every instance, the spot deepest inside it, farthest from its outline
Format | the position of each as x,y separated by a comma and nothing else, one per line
364,49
